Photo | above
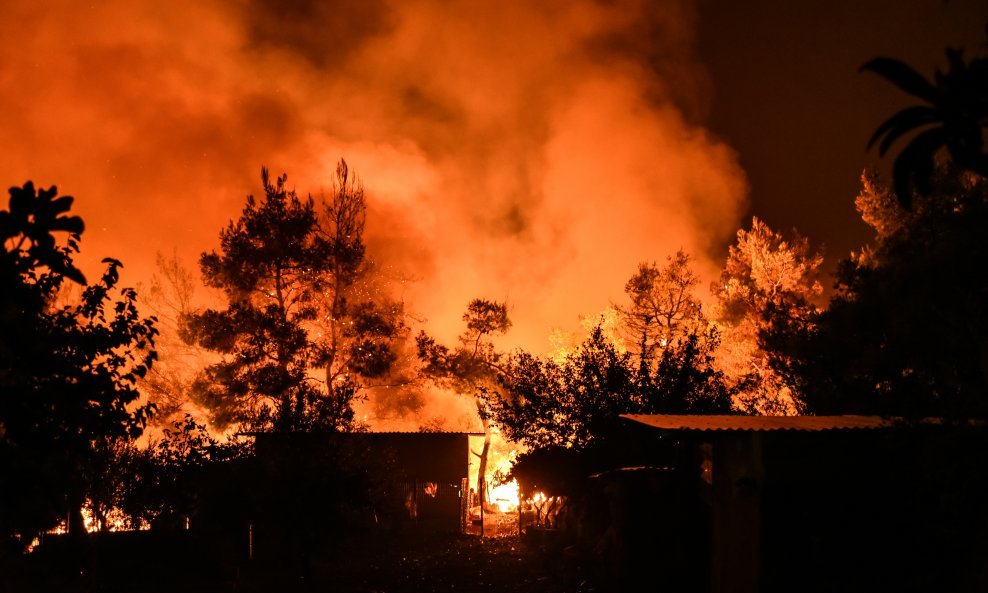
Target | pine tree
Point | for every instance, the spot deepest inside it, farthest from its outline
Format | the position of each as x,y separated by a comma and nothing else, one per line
766,277
296,281
268,266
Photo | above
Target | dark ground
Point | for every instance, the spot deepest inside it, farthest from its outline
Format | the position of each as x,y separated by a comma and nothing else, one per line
446,563
385,563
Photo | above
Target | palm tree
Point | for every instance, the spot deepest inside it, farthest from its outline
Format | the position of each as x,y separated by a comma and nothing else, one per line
954,116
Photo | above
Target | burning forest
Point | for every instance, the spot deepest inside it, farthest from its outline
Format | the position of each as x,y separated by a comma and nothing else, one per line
431,296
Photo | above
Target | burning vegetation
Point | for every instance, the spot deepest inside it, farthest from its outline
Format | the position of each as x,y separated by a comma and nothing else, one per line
310,332
307,385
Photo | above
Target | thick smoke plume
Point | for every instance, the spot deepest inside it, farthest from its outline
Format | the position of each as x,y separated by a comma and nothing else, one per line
528,151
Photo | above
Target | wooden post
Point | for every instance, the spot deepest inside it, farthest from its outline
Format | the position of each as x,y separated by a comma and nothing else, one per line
737,483
464,504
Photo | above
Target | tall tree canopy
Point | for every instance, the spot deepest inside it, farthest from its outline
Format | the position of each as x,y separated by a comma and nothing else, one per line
268,266
360,327
68,372
766,276
564,403
663,307
906,333
545,403
292,275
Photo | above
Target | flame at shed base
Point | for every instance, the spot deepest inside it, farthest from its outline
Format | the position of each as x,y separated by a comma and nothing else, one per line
505,496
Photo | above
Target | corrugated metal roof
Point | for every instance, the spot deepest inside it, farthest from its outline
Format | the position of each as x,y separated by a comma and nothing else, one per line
758,423
420,432
631,470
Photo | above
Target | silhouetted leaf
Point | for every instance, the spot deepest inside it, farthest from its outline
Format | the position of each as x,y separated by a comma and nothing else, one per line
904,77
7,226
61,205
21,199
902,123
914,165
70,224
74,274
68,387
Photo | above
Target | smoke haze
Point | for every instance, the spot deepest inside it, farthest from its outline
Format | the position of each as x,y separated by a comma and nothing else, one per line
528,151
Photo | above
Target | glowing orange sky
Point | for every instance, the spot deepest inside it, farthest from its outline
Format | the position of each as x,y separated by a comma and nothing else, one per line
534,152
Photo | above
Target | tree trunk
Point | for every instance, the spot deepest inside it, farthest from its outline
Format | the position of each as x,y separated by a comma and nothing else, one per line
76,522
482,467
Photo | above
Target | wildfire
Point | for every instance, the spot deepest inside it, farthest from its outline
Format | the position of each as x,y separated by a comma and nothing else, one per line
114,521
505,496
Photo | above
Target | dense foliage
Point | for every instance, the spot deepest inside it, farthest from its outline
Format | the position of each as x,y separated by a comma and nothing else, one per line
291,275
906,333
544,403
162,485
68,372
766,275
663,306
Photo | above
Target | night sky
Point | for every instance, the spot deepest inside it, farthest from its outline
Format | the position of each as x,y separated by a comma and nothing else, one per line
534,153
787,95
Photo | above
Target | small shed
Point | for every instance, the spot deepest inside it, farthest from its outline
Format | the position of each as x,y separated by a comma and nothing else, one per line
428,471
775,485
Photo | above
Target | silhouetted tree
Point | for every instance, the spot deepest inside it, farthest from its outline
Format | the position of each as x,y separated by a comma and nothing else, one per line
164,481
359,326
954,116
685,379
68,372
471,368
906,333
116,469
292,279
543,403
269,266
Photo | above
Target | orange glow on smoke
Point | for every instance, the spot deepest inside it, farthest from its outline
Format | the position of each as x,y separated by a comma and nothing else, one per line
512,150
